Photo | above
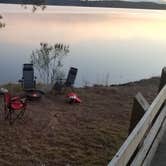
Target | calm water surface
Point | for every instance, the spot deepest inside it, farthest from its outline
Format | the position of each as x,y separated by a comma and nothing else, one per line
107,45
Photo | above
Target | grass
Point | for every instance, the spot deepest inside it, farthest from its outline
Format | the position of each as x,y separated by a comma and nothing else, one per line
56,133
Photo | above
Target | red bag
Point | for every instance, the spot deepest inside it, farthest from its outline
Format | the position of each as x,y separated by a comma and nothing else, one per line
73,98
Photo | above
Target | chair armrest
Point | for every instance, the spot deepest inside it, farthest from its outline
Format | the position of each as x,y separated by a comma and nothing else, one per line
15,98
20,81
18,99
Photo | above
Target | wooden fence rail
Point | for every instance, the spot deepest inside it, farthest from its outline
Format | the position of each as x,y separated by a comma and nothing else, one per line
141,144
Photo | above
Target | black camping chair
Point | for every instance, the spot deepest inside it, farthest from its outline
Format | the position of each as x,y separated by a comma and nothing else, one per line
69,82
28,82
71,77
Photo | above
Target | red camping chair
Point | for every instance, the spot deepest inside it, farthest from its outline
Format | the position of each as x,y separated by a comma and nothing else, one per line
14,107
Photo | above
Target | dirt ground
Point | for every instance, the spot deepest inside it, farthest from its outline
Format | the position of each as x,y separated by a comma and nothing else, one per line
55,133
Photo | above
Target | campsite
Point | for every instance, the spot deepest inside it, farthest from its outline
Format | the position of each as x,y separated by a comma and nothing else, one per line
88,133
80,83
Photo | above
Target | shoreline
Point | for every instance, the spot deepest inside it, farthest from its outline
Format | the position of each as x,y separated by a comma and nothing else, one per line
130,83
136,81
98,4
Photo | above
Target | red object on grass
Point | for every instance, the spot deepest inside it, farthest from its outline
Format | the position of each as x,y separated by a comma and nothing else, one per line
12,105
17,105
73,98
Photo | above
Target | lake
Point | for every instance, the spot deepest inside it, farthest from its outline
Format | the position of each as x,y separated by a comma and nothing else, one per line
108,46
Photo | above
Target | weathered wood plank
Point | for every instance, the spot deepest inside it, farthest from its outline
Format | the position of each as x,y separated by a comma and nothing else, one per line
147,161
140,106
151,136
128,148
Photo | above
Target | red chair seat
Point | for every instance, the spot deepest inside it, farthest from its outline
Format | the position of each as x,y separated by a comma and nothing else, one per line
17,105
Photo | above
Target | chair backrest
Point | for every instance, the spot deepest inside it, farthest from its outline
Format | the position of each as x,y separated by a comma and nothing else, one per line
71,77
28,77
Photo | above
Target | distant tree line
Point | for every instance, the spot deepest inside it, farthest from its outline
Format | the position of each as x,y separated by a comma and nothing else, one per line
97,3
35,4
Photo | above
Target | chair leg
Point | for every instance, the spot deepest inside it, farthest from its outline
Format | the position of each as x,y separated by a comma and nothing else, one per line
2,107
20,115
10,116
6,112
72,88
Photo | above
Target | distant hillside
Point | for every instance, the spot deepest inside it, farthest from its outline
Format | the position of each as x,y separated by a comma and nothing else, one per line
104,3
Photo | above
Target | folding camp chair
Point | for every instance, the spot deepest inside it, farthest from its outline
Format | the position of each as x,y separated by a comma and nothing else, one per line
71,77
69,82
28,80
14,107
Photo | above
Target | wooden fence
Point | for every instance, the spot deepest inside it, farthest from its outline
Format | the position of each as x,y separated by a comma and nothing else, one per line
140,146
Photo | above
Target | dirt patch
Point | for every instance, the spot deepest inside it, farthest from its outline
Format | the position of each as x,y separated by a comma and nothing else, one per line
53,132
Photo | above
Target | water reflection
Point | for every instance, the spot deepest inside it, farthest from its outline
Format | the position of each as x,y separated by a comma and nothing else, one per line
75,28
26,4
124,44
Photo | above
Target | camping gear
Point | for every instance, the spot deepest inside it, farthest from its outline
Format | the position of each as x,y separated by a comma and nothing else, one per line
28,79
28,82
69,82
73,98
71,77
14,107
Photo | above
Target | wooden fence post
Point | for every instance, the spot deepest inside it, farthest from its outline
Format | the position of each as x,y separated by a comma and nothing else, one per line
162,79
140,106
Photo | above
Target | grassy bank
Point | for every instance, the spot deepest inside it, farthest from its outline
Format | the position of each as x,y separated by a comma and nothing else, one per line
54,132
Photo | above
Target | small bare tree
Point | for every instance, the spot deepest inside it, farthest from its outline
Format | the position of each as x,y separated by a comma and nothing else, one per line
48,61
